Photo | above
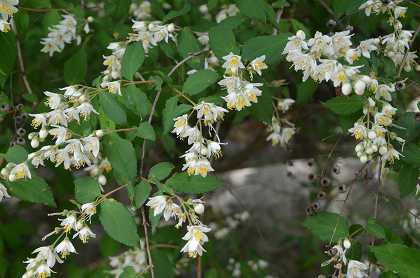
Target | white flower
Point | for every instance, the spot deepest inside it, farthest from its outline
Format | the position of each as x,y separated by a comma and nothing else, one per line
258,64
84,234
4,26
214,149
232,63
60,34
157,203
359,131
65,247
54,100
60,134
346,89
8,7
199,208
356,269
114,87
20,171
3,192
89,209
69,222
359,87
196,237
284,104
209,112
91,145
181,125
47,253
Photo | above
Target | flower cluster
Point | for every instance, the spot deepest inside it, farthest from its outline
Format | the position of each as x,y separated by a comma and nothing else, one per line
319,56
135,258
280,129
61,34
183,211
141,11
7,9
149,34
202,149
241,93
338,258
72,221
396,44
373,132
67,150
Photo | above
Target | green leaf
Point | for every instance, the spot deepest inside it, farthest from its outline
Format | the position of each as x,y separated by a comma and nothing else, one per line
122,156
188,44
181,12
305,91
112,108
136,100
75,68
199,81
34,190
141,193
16,154
270,46
181,182
222,41
411,155
119,223
348,7
252,8
132,60
129,273
399,258
7,62
407,179
171,111
327,226
161,171
375,229
86,189
146,131
345,105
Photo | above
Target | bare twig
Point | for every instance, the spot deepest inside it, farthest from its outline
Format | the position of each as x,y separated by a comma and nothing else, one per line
198,268
186,59
20,58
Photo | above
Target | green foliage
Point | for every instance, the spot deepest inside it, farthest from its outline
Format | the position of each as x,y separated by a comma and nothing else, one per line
398,258
146,131
345,105
118,222
161,171
181,182
141,193
172,110
122,156
375,229
199,81
132,60
86,189
222,41
112,108
34,190
75,68
16,154
265,45
327,226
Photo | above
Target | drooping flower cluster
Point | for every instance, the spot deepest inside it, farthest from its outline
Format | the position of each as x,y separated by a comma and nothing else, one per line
373,132
141,11
67,149
197,157
396,44
183,211
135,258
281,130
149,34
7,10
241,93
73,224
65,32
319,56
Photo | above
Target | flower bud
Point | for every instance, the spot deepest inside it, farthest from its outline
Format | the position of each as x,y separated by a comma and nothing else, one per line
102,180
171,27
199,208
99,133
35,143
43,133
203,9
300,34
346,243
371,135
346,89
359,87
363,158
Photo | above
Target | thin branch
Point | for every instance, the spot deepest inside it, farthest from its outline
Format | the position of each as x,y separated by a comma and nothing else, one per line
20,58
186,59
198,268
